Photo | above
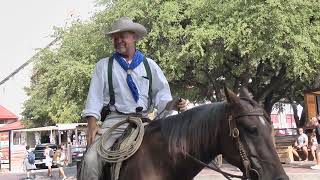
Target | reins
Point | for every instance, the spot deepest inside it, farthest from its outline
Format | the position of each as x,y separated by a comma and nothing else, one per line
215,168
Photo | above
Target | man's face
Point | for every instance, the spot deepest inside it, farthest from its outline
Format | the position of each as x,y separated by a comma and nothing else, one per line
300,130
123,42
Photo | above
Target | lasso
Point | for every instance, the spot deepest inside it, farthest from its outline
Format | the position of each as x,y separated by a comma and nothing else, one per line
126,150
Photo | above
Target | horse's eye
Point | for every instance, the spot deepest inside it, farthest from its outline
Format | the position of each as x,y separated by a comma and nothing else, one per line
252,130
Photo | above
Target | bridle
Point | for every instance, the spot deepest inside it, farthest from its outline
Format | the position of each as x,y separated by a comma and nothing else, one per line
235,134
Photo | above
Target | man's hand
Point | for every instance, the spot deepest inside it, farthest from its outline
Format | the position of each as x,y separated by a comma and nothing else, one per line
92,130
177,104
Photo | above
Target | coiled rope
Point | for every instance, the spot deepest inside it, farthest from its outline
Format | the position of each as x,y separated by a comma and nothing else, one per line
126,150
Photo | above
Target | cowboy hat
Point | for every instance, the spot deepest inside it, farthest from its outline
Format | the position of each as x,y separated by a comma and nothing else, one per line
124,24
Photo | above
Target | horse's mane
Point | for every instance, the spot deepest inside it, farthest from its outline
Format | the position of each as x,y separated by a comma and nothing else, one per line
194,130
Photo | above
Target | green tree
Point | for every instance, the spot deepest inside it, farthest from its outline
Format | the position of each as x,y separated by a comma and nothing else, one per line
62,75
272,47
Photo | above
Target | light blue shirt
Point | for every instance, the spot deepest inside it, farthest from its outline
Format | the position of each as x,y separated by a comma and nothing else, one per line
302,139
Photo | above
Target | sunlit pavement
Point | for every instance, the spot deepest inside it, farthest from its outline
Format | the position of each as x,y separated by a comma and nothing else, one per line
296,171
41,174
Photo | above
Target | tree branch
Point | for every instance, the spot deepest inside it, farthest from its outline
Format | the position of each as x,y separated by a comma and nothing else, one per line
275,83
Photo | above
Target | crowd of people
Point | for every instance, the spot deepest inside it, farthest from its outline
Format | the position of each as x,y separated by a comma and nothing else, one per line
52,157
310,142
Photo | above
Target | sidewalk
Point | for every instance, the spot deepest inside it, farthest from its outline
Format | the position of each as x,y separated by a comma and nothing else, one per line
295,171
41,174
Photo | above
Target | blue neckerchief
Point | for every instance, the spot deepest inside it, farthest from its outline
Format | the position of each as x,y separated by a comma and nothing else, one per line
136,60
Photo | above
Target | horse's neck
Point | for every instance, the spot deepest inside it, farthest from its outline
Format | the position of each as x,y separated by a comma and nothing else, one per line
209,140
195,132
211,148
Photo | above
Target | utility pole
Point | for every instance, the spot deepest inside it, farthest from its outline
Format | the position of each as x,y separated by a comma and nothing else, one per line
26,63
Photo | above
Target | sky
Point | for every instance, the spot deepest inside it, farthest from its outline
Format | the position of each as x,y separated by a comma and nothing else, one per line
25,27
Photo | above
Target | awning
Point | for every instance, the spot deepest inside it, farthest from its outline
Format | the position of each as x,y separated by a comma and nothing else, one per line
69,126
46,128
59,127
62,127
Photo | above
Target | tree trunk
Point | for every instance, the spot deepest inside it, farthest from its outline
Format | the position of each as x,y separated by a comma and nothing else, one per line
295,113
267,103
302,119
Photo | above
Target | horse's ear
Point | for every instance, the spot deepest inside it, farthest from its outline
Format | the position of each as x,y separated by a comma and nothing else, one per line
245,93
231,97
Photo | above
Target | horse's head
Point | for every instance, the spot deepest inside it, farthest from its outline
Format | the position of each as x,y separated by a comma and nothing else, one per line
250,130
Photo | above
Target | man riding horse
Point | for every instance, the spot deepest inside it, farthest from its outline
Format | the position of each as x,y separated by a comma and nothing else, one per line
122,84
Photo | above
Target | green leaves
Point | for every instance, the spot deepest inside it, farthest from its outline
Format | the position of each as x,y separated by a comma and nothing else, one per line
272,46
62,75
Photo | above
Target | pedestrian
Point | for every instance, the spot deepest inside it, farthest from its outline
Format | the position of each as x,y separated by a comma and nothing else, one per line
317,133
317,166
301,144
48,153
59,159
29,163
122,84
313,144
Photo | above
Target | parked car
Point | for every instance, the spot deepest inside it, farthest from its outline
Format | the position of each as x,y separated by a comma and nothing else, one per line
39,153
77,153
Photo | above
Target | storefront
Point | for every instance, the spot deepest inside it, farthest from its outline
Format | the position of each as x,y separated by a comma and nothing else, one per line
312,102
9,140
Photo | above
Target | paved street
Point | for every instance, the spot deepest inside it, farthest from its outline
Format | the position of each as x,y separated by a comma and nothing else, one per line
41,174
296,171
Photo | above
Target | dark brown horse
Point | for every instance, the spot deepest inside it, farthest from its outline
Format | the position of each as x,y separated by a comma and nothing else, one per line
238,129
